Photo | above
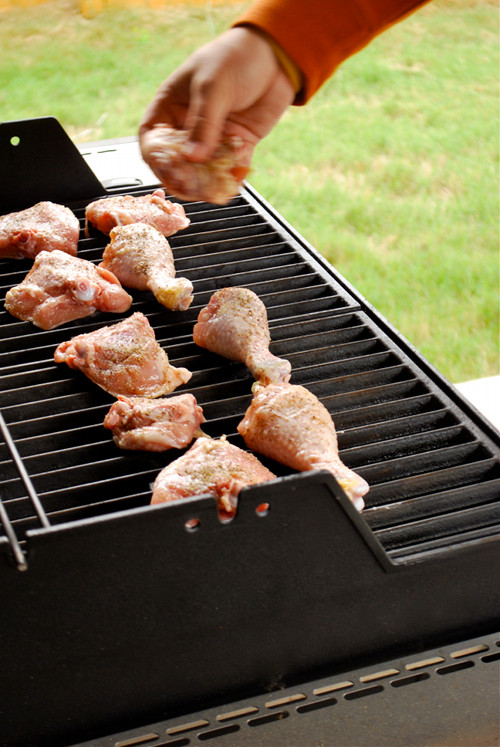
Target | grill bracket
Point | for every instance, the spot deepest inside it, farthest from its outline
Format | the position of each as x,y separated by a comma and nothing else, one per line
40,162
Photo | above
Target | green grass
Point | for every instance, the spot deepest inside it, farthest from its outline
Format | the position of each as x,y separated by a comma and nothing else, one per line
391,171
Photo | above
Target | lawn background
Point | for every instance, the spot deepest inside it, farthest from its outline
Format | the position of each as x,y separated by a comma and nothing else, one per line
391,171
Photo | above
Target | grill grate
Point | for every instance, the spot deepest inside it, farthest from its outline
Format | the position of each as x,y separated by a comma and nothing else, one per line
432,464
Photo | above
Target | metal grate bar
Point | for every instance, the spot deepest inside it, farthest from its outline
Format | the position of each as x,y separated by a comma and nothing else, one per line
23,473
17,552
423,507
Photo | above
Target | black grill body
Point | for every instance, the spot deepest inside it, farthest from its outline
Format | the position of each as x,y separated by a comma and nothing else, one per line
115,613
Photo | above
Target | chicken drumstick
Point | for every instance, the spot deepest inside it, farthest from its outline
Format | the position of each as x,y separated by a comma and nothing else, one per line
60,288
123,358
141,257
234,324
210,466
288,423
153,209
44,227
159,424
217,180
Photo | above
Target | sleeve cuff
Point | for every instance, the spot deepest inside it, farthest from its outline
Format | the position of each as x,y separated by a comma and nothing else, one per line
292,70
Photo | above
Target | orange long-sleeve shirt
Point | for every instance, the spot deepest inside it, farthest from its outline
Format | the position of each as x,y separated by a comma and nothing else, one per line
318,35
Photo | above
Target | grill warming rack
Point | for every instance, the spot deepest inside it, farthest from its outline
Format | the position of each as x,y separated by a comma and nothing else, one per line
119,603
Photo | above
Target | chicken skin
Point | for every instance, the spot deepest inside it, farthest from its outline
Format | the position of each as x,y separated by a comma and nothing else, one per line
289,424
153,209
44,227
234,325
216,181
60,288
140,257
123,358
210,466
146,424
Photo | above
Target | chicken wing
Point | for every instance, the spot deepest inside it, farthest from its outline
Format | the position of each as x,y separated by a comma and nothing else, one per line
141,257
288,423
210,466
153,209
234,325
60,288
123,358
216,181
44,227
155,424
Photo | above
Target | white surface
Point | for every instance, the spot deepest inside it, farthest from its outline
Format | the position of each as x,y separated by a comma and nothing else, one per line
484,394
117,160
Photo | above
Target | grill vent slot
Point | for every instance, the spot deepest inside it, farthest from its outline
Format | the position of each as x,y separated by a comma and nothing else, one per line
313,701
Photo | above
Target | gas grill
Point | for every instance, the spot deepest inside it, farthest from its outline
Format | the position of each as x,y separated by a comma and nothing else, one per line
308,624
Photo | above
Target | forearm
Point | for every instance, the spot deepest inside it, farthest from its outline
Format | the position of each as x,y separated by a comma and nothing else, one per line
318,35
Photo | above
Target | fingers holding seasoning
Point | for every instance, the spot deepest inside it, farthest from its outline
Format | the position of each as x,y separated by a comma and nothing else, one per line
199,132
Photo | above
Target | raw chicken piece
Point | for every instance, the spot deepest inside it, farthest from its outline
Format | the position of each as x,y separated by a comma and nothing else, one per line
60,288
140,257
155,424
289,424
44,227
210,466
234,324
108,212
217,180
124,358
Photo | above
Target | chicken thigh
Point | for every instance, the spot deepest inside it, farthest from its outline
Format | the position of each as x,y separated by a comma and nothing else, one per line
210,466
154,424
234,324
216,181
44,227
124,358
141,257
60,288
289,424
153,209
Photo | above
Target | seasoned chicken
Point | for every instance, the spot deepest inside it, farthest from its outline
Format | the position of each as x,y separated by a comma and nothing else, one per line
44,227
217,180
153,209
60,288
289,424
210,466
234,324
124,358
140,257
155,424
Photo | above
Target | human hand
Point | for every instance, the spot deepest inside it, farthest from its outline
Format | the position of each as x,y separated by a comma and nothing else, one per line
233,86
